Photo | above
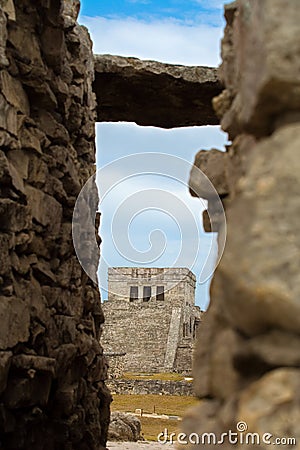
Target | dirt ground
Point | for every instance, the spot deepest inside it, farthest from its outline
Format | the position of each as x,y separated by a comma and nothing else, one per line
139,446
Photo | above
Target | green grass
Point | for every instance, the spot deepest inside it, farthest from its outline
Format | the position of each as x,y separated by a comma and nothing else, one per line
151,428
160,404
154,376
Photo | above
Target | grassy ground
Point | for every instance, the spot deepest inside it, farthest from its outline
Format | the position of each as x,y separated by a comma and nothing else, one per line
155,376
159,404
151,428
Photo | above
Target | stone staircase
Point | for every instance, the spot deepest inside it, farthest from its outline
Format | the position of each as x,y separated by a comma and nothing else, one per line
173,339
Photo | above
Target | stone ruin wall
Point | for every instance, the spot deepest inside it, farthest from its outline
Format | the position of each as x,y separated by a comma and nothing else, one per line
185,355
140,332
151,333
150,387
248,358
52,393
116,364
179,285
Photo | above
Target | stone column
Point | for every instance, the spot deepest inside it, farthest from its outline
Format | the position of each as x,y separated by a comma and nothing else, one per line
52,368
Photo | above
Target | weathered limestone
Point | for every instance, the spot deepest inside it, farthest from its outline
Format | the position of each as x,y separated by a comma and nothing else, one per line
153,93
273,401
124,427
264,47
269,289
116,362
250,371
213,164
5,361
156,333
52,368
146,387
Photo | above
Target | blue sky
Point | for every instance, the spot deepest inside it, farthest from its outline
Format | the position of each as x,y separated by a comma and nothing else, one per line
172,31
200,11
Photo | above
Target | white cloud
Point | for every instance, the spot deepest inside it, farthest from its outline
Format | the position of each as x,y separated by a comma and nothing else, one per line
166,40
116,140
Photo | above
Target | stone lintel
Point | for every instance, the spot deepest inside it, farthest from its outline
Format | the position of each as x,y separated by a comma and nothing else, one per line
152,93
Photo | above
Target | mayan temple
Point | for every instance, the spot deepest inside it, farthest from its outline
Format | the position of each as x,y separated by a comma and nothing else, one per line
151,316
